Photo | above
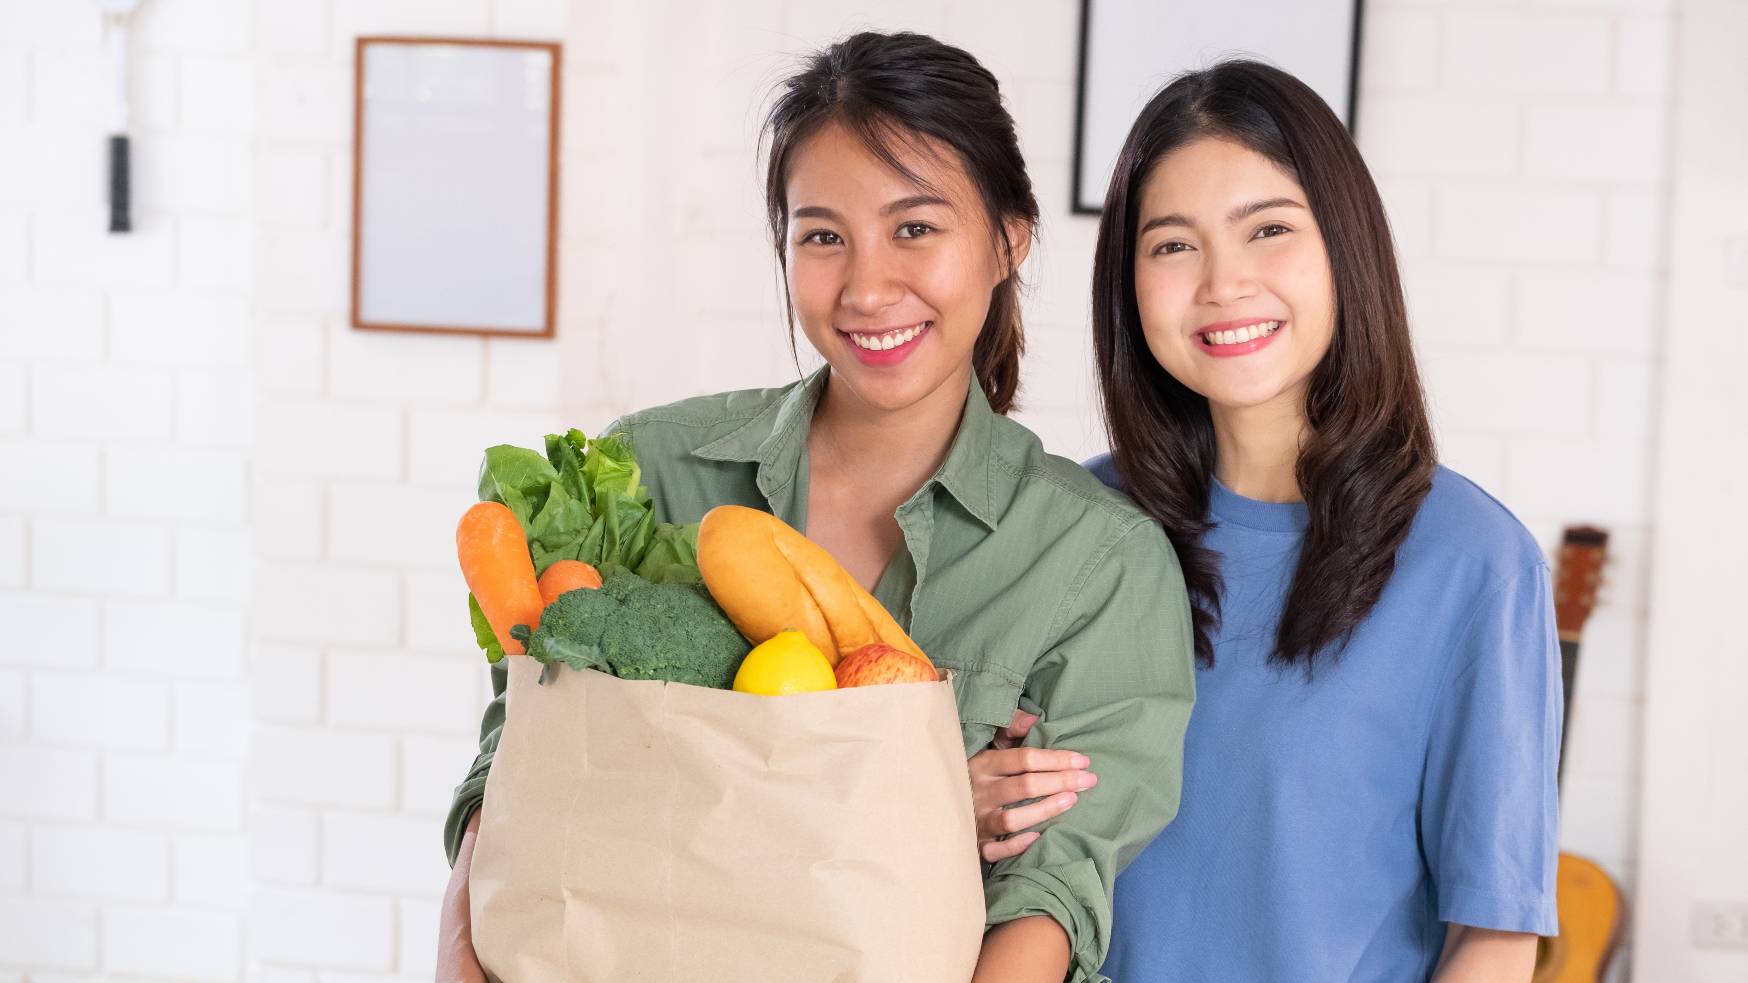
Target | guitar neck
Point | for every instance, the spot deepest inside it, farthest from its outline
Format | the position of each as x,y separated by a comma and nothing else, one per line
1568,672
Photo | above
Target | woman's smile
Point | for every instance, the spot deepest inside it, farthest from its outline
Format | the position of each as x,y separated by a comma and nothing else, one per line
882,347
1230,339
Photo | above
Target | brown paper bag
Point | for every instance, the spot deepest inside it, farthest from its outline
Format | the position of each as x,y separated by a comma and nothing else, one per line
642,830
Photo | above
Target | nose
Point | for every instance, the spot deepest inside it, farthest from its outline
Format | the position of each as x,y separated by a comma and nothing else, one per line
1226,278
871,283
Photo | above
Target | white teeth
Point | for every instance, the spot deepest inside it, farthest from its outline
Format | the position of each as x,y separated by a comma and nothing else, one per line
1241,335
888,341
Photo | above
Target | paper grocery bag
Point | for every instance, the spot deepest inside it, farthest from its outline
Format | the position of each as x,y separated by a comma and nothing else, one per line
643,830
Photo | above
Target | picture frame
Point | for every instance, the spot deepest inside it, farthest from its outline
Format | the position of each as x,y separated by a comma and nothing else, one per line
1129,50
455,185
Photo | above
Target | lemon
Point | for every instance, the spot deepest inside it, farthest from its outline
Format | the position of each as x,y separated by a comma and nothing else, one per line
786,663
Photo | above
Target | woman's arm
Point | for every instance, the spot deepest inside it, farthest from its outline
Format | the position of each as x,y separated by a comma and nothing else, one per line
1026,950
1484,955
455,956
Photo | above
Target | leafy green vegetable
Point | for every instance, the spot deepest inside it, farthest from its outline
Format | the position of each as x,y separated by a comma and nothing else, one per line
517,477
483,633
638,630
672,556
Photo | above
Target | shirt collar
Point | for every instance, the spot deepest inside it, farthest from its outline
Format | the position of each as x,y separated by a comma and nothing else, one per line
776,436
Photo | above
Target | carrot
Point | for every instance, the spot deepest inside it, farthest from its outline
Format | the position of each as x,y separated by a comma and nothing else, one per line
565,576
498,569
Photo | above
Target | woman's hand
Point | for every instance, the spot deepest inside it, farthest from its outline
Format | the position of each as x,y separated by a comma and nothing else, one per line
1004,775
456,961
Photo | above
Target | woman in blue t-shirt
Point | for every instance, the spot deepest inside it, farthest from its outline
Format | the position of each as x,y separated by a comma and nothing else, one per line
1369,774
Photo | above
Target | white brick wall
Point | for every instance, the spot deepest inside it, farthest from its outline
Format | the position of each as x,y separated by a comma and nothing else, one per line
239,683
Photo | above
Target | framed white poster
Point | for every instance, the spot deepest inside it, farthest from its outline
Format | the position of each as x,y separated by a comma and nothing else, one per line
455,186
1129,50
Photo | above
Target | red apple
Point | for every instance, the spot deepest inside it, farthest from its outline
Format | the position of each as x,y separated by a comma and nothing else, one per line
881,663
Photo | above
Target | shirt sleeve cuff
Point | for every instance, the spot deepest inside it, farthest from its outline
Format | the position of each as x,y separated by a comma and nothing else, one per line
1502,913
1070,893
468,797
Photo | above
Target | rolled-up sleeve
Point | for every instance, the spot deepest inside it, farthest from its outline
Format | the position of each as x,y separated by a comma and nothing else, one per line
472,791
1118,687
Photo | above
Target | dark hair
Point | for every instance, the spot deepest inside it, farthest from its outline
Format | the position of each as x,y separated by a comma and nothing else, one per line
1368,460
910,90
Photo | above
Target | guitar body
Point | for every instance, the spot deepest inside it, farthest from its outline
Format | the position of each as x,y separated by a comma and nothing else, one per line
1591,912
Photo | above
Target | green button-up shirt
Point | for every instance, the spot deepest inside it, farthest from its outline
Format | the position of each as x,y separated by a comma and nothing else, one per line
1036,585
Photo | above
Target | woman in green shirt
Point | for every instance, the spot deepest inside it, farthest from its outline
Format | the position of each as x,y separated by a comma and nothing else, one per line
901,211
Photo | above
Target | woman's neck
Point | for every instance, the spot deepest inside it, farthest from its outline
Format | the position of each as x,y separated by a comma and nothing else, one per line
1256,449
895,449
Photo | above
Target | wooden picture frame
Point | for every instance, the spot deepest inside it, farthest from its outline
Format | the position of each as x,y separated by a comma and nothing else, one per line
455,186
1317,40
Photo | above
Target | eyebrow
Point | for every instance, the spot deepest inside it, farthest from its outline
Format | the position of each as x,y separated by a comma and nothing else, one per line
1238,214
891,208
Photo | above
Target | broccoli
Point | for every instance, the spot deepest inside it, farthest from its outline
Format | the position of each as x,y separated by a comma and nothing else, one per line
638,630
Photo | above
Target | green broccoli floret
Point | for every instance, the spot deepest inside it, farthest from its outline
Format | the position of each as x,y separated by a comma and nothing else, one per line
638,630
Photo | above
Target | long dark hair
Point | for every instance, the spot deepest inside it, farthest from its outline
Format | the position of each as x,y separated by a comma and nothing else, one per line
1368,460
909,90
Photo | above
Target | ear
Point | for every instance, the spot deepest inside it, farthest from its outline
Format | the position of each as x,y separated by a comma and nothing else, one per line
1019,235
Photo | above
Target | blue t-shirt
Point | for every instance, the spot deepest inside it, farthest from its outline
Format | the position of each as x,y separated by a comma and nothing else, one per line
1329,829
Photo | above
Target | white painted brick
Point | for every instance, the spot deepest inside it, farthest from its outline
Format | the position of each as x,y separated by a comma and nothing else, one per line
393,854
1634,227
1436,135
437,617
212,870
310,438
286,683
45,168
322,928
14,87
183,329
431,768
1598,815
1408,207
181,791
259,973
214,563
1612,663
304,100
1625,398
77,249
99,710
47,783
75,468
50,324
218,94
1642,54
289,516
215,252
14,246
403,693
14,859
1453,306
1605,735
282,845
13,543
522,372
291,185
293,355
461,17
410,527
311,275
214,26
176,482
212,719
445,446
1602,141
1500,51
48,934
179,171
323,767
1613,313
152,91
1517,222
44,630
399,365
173,638
13,719
14,399
1509,393
1399,51
528,19
120,558
1475,455
180,943
100,862
327,603
418,937
1595,481
291,29
101,402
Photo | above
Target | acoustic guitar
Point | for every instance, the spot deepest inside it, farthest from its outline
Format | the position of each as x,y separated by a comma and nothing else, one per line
1592,910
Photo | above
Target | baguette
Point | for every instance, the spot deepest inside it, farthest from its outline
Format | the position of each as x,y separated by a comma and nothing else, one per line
769,578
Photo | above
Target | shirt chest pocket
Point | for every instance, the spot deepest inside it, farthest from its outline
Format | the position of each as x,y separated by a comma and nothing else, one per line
987,697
